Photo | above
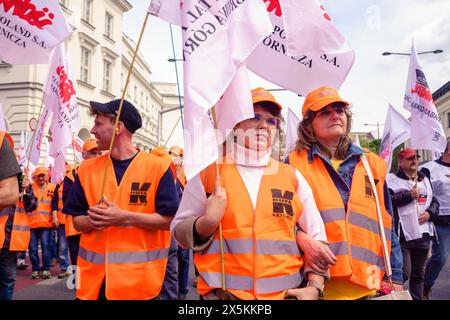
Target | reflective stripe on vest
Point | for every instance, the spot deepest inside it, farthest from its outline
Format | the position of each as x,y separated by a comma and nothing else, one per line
262,259
41,217
239,246
20,233
116,253
353,232
263,285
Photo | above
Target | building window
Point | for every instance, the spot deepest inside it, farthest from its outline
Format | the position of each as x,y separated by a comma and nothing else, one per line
109,25
448,120
135,94
107,70
87,10
85,64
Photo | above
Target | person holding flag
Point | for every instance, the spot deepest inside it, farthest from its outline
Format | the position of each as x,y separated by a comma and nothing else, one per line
414,206
124,243
259,203
438,172
333,167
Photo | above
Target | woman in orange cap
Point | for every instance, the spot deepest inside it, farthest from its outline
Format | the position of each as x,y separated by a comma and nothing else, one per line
333,167
260,203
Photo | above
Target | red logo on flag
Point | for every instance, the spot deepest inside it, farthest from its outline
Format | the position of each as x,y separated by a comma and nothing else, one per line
27,11
274,5
325,15
66,90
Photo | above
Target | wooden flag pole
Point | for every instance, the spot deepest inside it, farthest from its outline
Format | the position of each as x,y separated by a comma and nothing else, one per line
222,256
130,71
34,135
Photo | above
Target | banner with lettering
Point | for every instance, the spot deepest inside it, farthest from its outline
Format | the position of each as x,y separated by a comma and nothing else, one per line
218,36
35,152
426,127
30,29
396,131
60,97
300,73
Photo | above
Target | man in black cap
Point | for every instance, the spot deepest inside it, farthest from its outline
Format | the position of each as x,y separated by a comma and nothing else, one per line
124,245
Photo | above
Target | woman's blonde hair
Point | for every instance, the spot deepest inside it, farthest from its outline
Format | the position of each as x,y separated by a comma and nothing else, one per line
306,136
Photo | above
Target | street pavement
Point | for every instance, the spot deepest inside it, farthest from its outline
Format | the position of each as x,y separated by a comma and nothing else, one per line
57,289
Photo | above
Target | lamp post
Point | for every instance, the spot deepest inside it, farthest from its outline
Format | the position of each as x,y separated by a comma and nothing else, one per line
378,127
408,54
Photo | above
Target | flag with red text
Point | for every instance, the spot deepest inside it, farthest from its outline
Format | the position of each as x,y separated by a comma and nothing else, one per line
426,128
30,29
320,56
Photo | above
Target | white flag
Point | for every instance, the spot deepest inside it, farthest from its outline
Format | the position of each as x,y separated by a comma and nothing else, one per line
218,36
49,161
30,29
170,11
306,72
357,142
21,156
77,145
35,152
2,119
310,30
426,128
397,130
60,97
59,168
291,130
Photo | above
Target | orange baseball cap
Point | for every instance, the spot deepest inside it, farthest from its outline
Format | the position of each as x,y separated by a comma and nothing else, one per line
320,98
90,144
161,152
39,171
262,95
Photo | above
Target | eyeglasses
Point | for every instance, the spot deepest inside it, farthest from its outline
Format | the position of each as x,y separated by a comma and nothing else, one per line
339,109
271,121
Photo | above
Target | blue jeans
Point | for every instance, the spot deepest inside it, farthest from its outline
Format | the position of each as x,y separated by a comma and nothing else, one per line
183,270
169,290
42,234
7,274
53,245
440,252
63,248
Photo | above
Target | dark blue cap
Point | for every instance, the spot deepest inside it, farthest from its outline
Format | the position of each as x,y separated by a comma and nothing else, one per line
129,116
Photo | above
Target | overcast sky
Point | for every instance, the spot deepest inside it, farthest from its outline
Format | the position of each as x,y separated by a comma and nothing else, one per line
371,27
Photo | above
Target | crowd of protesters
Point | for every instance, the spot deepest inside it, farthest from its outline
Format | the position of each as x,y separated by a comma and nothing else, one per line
303,227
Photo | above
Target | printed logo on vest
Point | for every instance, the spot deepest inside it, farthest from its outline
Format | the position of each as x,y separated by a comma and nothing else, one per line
282,204
422,198
138,194
368,187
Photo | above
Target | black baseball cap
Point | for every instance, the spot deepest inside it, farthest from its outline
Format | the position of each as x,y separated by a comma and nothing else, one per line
129,116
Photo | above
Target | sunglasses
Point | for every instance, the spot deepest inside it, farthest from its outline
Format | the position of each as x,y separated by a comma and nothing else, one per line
271,121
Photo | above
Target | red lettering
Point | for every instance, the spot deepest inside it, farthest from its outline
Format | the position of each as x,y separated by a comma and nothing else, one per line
274,5
66,90
27,11
423,92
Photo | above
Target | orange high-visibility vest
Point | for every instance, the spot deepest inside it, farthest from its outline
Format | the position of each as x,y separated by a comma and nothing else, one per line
61,216
20,234
4,213
262,259
70,229
352,231
42,216
131,260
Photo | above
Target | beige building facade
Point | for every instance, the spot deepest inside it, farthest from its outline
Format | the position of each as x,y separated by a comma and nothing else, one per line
100,55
